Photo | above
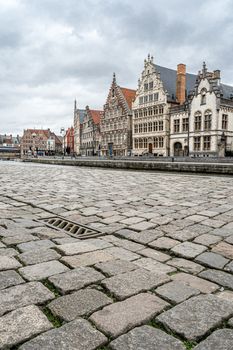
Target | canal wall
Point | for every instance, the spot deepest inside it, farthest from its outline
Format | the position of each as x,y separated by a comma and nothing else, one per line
190,167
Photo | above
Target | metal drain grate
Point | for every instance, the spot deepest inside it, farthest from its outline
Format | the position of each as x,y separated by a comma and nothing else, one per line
71,228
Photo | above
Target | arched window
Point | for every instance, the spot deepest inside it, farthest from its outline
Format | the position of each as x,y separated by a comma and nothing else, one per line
140,143
207,120
135,143
203,96
197,121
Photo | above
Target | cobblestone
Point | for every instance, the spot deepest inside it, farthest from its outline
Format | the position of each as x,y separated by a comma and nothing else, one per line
153,224
42,271
76,279
78,335
130,283
22,324
147,338
120,317
22,295
197,316
10,278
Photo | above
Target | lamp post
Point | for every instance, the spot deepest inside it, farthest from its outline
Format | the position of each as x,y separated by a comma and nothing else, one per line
62,132
33,143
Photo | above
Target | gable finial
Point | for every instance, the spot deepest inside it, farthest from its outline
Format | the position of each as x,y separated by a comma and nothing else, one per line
114,77
204,69
148,57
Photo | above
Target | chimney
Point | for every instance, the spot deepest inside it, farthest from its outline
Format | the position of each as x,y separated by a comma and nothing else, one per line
181,83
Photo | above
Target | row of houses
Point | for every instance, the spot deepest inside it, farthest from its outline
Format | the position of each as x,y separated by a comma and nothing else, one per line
171,113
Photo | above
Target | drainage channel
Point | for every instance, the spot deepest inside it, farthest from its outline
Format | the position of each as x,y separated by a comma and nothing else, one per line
72,228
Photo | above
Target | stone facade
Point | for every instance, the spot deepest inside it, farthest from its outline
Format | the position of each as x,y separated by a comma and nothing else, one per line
180,114
116,122
90,132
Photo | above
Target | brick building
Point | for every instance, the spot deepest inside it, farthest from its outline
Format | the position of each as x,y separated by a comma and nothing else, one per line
40,142
69,141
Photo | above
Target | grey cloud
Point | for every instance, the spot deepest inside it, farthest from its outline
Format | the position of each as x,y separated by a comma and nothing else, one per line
52,51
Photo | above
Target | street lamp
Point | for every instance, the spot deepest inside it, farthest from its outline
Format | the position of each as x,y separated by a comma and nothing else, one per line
62,132
33,143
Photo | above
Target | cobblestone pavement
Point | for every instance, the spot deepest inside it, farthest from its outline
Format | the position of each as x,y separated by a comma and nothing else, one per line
159,278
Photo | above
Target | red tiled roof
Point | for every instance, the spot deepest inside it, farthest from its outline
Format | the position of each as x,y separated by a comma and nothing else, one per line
129,95
96,115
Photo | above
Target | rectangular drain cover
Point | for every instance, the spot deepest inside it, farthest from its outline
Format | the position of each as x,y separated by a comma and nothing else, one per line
71,228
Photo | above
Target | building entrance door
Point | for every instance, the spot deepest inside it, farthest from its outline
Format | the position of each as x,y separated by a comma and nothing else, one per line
150,148
110,149
178,151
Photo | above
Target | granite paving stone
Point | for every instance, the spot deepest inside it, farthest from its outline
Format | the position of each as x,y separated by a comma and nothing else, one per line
229,267
221,339
176,292
212,260
7,263
221,232
185,265
143,237
226,294
121,253
194,318
120,317
133,282
22,295
80,303
20,238
10,252
146,338
83,247
23,247
201,284
75,335
22,324
224,249
207,239
155,254
76,279
183,235
223,278
42,271
229,239
87,259
10,278
164,243
141,226
38,256
116,267
188,249
154,266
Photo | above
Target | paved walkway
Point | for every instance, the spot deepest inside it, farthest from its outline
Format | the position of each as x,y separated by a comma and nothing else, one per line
159,278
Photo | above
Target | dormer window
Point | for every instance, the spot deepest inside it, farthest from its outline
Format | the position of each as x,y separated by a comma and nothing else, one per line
113,93
151,85
145,86
203,96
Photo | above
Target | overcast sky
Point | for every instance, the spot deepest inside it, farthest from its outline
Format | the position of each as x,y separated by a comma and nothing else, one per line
53,51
